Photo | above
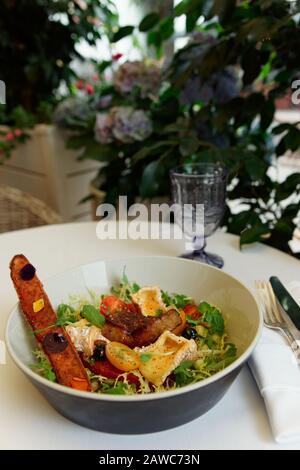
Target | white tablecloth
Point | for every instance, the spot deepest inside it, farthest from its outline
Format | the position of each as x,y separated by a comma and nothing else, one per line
239,420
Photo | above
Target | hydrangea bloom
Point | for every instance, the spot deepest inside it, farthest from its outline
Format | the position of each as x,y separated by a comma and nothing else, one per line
130,124
122,123
103,128
70,110
144,76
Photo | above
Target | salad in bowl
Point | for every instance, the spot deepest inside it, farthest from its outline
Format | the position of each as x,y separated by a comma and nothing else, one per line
136,350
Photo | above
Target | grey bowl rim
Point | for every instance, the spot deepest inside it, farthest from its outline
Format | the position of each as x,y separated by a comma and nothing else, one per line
145,397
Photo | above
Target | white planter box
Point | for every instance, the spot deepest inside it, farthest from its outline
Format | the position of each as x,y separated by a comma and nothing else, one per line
46,169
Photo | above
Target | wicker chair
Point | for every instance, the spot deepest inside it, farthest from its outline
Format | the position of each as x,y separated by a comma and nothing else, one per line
19,210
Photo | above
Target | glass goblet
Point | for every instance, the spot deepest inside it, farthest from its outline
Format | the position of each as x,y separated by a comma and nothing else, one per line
199,194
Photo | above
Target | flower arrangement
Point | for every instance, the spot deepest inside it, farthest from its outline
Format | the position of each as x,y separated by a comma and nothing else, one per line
111,124
215,101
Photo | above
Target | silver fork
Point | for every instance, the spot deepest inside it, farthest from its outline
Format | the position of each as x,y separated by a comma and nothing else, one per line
273,318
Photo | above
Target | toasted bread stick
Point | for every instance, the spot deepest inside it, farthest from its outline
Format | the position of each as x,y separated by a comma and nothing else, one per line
39,313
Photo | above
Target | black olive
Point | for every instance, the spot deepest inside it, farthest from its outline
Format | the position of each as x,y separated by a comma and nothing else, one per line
190,333
99,352
27,272
55,343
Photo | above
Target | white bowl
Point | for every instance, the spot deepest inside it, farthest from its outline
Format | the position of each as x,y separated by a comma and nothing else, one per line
153,412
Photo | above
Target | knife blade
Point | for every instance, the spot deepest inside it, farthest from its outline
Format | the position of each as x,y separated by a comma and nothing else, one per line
286,301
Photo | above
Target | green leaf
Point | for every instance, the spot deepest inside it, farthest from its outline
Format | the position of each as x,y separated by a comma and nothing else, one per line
289,186
256,233
92,315
43,366
191,21
166,28
213,316
291,211
145,357
154,39
191,321
65,315
116,389
104,65
98,152
242,220
178,300
223,9
149,21
258,29
255,167
184,373
188,6
76,142
122,33
281,128
151,179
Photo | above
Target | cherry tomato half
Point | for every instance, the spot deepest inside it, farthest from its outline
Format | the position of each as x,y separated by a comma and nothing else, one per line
105,368
192,311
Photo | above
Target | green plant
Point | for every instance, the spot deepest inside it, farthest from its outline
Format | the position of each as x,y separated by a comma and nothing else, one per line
38,44
216,102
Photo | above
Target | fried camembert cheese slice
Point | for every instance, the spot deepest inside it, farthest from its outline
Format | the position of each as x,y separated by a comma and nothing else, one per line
163,356
84,336
149,300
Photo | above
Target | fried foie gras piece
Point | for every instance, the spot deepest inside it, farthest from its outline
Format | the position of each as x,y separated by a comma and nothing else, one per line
39,313
155,326
152,328
116,333
128,320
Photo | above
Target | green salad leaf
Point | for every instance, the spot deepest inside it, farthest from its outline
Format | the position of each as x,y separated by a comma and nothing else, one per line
43,366
178,300
65,315
184,374
115,389
213,316
92,315
125,290
191,321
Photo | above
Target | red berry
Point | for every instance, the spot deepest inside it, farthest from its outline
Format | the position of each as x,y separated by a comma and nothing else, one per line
18,132
89,88
10,136
79,85
117,56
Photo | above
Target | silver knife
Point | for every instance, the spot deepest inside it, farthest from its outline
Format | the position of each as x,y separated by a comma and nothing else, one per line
289,306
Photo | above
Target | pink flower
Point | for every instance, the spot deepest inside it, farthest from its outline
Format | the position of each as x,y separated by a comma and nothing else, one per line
79,85
18,132
75,19
82,4
117,56
89,89
103,128
9,136
95,77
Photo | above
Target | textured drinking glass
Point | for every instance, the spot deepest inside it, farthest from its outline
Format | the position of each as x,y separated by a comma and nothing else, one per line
199,186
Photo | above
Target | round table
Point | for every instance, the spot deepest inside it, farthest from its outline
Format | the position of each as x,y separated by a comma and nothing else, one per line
27,421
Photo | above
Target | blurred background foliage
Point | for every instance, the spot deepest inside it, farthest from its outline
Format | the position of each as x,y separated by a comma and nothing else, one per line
38,45
216,102
214,99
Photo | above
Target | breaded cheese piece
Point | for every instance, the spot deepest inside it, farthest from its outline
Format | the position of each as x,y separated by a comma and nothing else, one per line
149,300
163,356
84,336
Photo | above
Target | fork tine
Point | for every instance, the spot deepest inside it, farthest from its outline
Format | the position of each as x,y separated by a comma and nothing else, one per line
268,310
261,299
273,302
268,303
